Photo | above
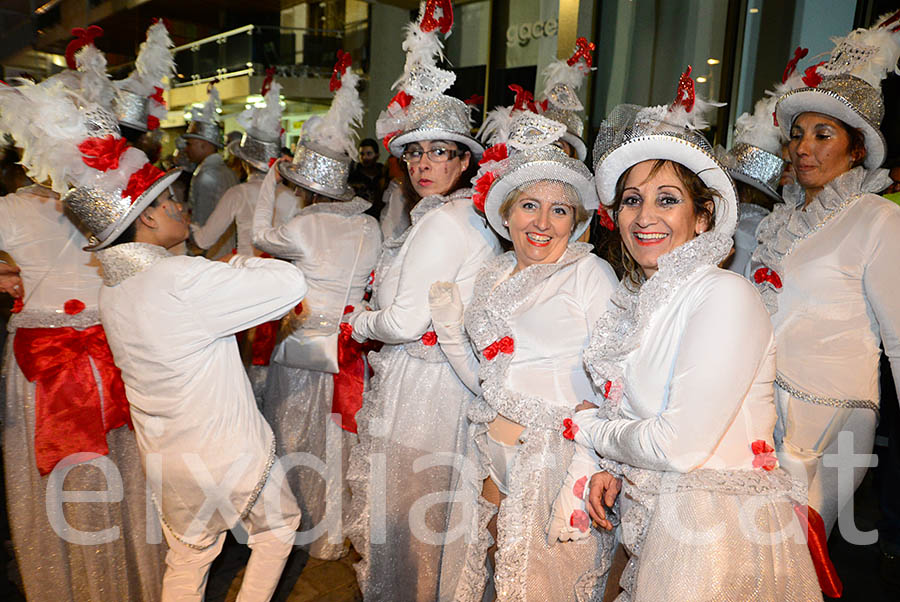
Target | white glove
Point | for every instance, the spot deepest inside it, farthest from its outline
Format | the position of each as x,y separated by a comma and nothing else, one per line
570,520
447,318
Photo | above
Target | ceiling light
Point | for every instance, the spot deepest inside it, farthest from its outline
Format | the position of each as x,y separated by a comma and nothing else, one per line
712,61
701,80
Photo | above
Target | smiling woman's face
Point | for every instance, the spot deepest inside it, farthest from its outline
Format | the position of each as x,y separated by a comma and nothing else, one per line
540,221
656,214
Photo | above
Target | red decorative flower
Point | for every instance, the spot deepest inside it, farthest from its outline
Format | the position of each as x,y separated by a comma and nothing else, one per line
429,338
583,50
767,275
103,153
684,93
524,99
18,305
811,77
272,161
570,429
402,99
498,152
580,520
348,309
763,455
141,180
152,122
158,95
298,309
578,489
371,278
505,345
544,104
605,220
606,387
73,306
430,23
482,186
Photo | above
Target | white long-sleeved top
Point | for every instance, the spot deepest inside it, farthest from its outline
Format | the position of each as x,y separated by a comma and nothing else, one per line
322,240
170,320
699,388
394,218
745,236
47,247
237,206
448,242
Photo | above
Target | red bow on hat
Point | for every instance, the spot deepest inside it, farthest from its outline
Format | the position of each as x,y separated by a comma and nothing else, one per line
340,67
104,153
811,76
684,94
267,82
524,98
482,186
498,152
789,69
606,221
83,37
767,275
583,50
429,23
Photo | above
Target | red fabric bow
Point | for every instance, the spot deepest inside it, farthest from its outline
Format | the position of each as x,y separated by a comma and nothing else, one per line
817,542
429,23
158,95
578,488
684,93
766,275
524,98
544,104
267,81
69,416
605,220
498,152
570,429
811,77
429,339
104,153
349,381
580,520
789,69
583,50
505,345
18,305
152,122
482,186
83,37
344,60
606,388
402,99
141,180
763,455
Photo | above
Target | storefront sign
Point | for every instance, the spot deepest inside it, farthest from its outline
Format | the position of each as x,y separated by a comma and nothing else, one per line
523,33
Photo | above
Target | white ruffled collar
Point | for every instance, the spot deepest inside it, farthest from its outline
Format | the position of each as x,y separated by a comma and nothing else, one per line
121,262
789,223
619,331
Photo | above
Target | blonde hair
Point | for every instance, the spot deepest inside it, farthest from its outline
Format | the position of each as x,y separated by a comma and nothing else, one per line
570,196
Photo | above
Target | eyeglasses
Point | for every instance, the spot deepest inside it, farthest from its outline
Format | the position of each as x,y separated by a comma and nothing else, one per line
435,155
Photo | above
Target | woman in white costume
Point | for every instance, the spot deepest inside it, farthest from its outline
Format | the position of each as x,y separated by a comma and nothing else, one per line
64,395
335,244
826,265
529,320
415,409
685,358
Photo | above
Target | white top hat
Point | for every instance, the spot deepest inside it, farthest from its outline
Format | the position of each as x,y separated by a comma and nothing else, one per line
139,100
848,86
562,80
261,142
204,123
632,134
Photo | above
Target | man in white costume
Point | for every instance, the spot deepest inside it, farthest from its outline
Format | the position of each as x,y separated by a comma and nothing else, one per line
170,320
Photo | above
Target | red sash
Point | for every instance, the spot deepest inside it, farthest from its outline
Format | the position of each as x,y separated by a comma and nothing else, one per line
817,542
68,414
349,381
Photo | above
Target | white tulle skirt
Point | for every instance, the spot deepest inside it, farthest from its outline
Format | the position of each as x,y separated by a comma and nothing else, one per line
412,428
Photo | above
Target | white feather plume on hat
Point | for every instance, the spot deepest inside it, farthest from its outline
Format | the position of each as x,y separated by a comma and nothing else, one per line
337,128
207,111
264,122
869,54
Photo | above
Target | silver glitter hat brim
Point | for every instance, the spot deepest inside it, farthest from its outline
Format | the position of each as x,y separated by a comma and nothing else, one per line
140,203
296,174
400,141
616,161
827,102
256,152
537,171
739,176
